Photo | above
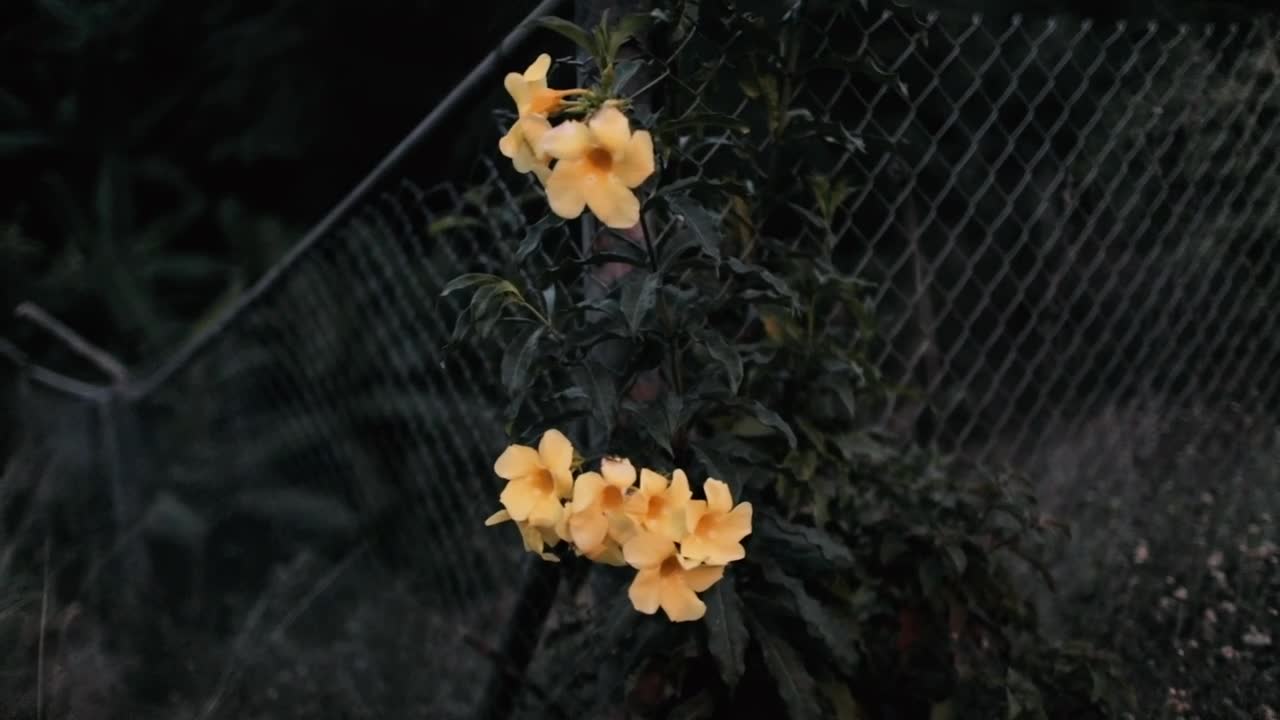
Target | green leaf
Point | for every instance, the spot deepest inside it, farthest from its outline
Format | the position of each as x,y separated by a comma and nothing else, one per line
533,236
700,229
790,542
725,354
519,358
660,419
602,389
772,420
698,707
727,634
575,34
778,288
638,296
627,28
795,684
823,623
462,282
958,559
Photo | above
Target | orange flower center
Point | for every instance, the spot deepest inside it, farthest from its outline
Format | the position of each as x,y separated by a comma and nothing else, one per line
545,102
670,566
611,499
657,504
542,481
600,160
706,525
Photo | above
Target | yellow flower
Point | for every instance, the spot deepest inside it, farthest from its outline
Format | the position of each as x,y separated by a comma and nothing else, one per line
715,527
663,580
536,539
597,511
519,143
534,102
599,163
530,92
659,507
537,480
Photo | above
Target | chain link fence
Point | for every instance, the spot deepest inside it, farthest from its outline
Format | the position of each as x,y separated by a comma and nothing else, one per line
1071,229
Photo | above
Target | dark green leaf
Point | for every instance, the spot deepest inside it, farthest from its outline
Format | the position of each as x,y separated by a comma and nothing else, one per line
795,684
823,622
533,236
778,288
602,389
16,141
790,542
727,634
699,229
629,27
575,34
468,280
638,296
519,358
771,419
298,509
891,548
958,559
725,354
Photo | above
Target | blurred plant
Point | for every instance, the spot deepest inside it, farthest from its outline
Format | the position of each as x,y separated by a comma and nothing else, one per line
876,580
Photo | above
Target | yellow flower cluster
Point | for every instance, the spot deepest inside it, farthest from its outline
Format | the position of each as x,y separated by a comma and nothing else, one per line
597,163
678,545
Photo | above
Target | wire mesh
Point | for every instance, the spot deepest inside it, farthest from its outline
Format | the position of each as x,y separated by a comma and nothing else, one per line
1070,226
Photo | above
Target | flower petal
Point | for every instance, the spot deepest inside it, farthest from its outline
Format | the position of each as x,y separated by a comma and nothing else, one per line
586,491
678,494
511,143
651,483
499,517
612,202
588,530
695,548
636,164
679,602
538,69
534,128
737,524
723,552
517,88
693,512
701,579
646,591
555,450
610,553
618,472
516,462
621,527
719,500
519,499
546,512
569,140
564,189
647,550
611,130
531,537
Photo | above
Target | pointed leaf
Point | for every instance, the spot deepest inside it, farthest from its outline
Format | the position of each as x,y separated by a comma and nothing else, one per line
727,634
533,236
602,389
519,358
575,34
795,684
725,354
638,297
824,624
791,542
772,420
468,280
699,229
